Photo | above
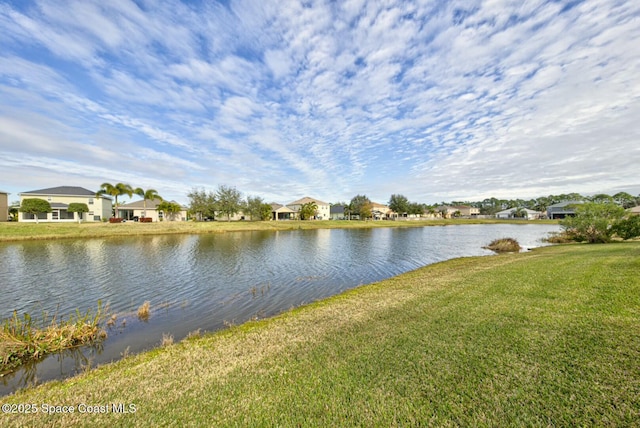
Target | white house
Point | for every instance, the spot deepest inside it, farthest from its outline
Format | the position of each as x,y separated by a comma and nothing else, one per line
527,214
149,208
100,207
324,209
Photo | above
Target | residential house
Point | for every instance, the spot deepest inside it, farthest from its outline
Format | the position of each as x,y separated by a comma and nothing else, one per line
324,209
282,212
149,208
100,207
526,212
449,211
4,206
380,211
562,209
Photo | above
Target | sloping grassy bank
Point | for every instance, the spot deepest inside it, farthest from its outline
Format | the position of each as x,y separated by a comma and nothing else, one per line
546,338
14,231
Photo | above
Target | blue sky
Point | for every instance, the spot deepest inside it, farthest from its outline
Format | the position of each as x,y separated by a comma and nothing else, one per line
456,100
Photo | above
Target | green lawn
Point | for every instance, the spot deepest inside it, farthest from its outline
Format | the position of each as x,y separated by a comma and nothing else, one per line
546,338
15,231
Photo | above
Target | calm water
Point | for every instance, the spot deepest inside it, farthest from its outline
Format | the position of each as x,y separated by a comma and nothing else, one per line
208,281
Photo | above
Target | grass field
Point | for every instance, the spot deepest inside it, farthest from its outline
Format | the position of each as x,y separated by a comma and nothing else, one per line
545,338
15,231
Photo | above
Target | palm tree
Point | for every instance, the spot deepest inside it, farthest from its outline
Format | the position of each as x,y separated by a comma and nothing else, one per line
150,194
169,209
115,191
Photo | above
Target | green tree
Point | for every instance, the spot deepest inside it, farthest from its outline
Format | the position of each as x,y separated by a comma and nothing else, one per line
14,209
602,198
119,189
624,199
257,208
149,194
169,209
399,204
593,222
416,208
228,201
202,204
35,206
308,211
628,228
78,207
361,205
519,212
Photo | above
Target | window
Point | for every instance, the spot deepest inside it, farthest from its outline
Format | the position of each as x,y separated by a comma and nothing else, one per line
55,214
96,218
90,201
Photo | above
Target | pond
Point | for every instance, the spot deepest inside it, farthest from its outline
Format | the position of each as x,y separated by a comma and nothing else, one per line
206,282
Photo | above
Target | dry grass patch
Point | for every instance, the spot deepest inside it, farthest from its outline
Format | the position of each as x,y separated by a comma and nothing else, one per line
144,311
504,245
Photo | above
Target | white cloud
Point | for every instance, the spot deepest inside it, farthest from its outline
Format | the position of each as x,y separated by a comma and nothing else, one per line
436,100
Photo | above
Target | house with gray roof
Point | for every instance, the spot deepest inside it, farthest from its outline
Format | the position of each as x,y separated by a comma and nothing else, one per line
562,209
100,207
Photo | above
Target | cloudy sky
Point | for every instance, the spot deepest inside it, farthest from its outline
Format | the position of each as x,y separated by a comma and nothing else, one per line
456,100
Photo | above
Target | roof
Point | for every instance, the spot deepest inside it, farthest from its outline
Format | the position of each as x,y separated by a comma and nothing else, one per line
62,191
510,210
564,204
634,210
2,191
281,208
306,200
151,204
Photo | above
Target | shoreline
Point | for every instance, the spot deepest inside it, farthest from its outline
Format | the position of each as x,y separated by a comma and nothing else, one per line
532,338
17,232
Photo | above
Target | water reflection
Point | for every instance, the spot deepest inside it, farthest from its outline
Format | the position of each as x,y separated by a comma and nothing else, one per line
206,281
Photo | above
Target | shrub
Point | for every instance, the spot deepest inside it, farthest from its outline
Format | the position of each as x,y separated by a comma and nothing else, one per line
628,228
593,222
504,245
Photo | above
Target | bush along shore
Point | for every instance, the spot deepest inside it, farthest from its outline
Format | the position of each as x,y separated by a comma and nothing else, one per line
24,339
543,338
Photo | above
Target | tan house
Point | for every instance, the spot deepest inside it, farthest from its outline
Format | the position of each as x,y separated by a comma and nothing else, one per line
381,211
4,206
149,208
449,211
281,212
324,209
100,207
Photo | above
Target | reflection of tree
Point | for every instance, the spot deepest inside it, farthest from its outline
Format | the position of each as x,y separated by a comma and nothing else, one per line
27,374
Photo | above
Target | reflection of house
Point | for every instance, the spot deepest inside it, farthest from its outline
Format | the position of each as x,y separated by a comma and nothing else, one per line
562,209
4,206
521,213
135,210
449,211
323,212
60,197
282,212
